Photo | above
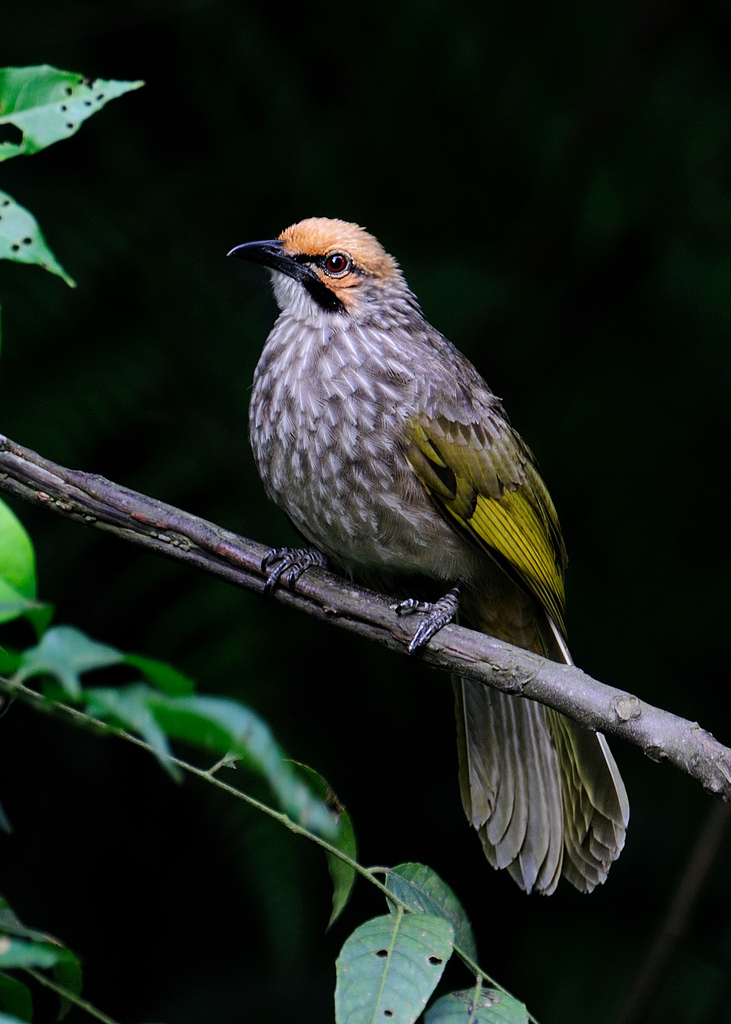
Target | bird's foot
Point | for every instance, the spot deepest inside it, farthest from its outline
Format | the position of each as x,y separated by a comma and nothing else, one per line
436,614
288,565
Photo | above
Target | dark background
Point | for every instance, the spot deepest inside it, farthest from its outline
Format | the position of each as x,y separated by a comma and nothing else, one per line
554,180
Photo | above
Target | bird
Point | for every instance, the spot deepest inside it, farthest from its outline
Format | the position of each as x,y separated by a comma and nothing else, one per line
397,464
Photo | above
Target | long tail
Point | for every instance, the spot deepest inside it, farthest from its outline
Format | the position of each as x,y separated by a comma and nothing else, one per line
544,794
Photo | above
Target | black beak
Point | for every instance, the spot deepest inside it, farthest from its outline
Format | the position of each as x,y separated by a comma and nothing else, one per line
271,254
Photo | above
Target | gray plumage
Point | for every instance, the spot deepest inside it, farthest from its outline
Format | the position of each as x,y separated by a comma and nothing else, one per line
390,454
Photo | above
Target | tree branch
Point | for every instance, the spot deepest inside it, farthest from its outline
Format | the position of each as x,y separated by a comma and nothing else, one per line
168,531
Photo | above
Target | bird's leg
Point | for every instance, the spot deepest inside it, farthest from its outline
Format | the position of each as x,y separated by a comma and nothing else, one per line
436,614
289,564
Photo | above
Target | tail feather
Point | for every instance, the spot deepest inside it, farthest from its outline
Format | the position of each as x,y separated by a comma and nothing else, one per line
544,794
509,778
595,803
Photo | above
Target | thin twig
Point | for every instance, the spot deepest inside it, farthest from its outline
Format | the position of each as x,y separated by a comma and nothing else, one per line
165,530
80,718
676,920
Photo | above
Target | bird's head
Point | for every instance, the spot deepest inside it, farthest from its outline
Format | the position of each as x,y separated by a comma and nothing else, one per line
322,265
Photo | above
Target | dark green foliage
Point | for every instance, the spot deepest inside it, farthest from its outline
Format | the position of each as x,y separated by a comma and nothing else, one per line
554,181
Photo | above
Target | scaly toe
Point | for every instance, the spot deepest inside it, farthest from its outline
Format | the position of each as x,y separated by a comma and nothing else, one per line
437,615
289,564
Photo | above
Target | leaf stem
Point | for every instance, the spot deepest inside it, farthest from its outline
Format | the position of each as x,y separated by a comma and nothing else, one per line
81,718
71,996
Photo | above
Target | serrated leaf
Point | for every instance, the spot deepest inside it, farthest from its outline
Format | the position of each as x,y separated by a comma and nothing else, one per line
66,653
17,558
424,892
48,104
22,241
15,997
19,953
389,967
162,675
486,1006
342,875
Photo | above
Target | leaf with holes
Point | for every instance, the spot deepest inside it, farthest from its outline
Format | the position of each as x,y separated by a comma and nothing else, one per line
477,1006
47,105
389,967
424,892
22,240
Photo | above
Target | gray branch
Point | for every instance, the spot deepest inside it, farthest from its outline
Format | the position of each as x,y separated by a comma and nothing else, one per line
165,530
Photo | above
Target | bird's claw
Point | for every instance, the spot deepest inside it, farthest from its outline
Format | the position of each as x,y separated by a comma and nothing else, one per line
289,564
436,614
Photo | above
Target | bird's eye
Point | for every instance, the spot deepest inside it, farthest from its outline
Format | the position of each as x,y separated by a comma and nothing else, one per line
337,264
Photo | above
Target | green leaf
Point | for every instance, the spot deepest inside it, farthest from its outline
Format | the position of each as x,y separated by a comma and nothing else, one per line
27,947
9,661
12,925
13,605
17,558
15,997
342,875
424,892
67,973
229,727
162,675
129,708
66,653
7,1018
19,953
21,239
48,105
477,1006
389,967
214,723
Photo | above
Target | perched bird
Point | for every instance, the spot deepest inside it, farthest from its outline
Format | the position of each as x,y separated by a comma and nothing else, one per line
393,458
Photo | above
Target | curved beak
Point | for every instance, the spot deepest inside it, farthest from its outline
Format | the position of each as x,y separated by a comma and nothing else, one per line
269,254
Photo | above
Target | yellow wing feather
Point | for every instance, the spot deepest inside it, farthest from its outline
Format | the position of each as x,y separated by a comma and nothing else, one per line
488,482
